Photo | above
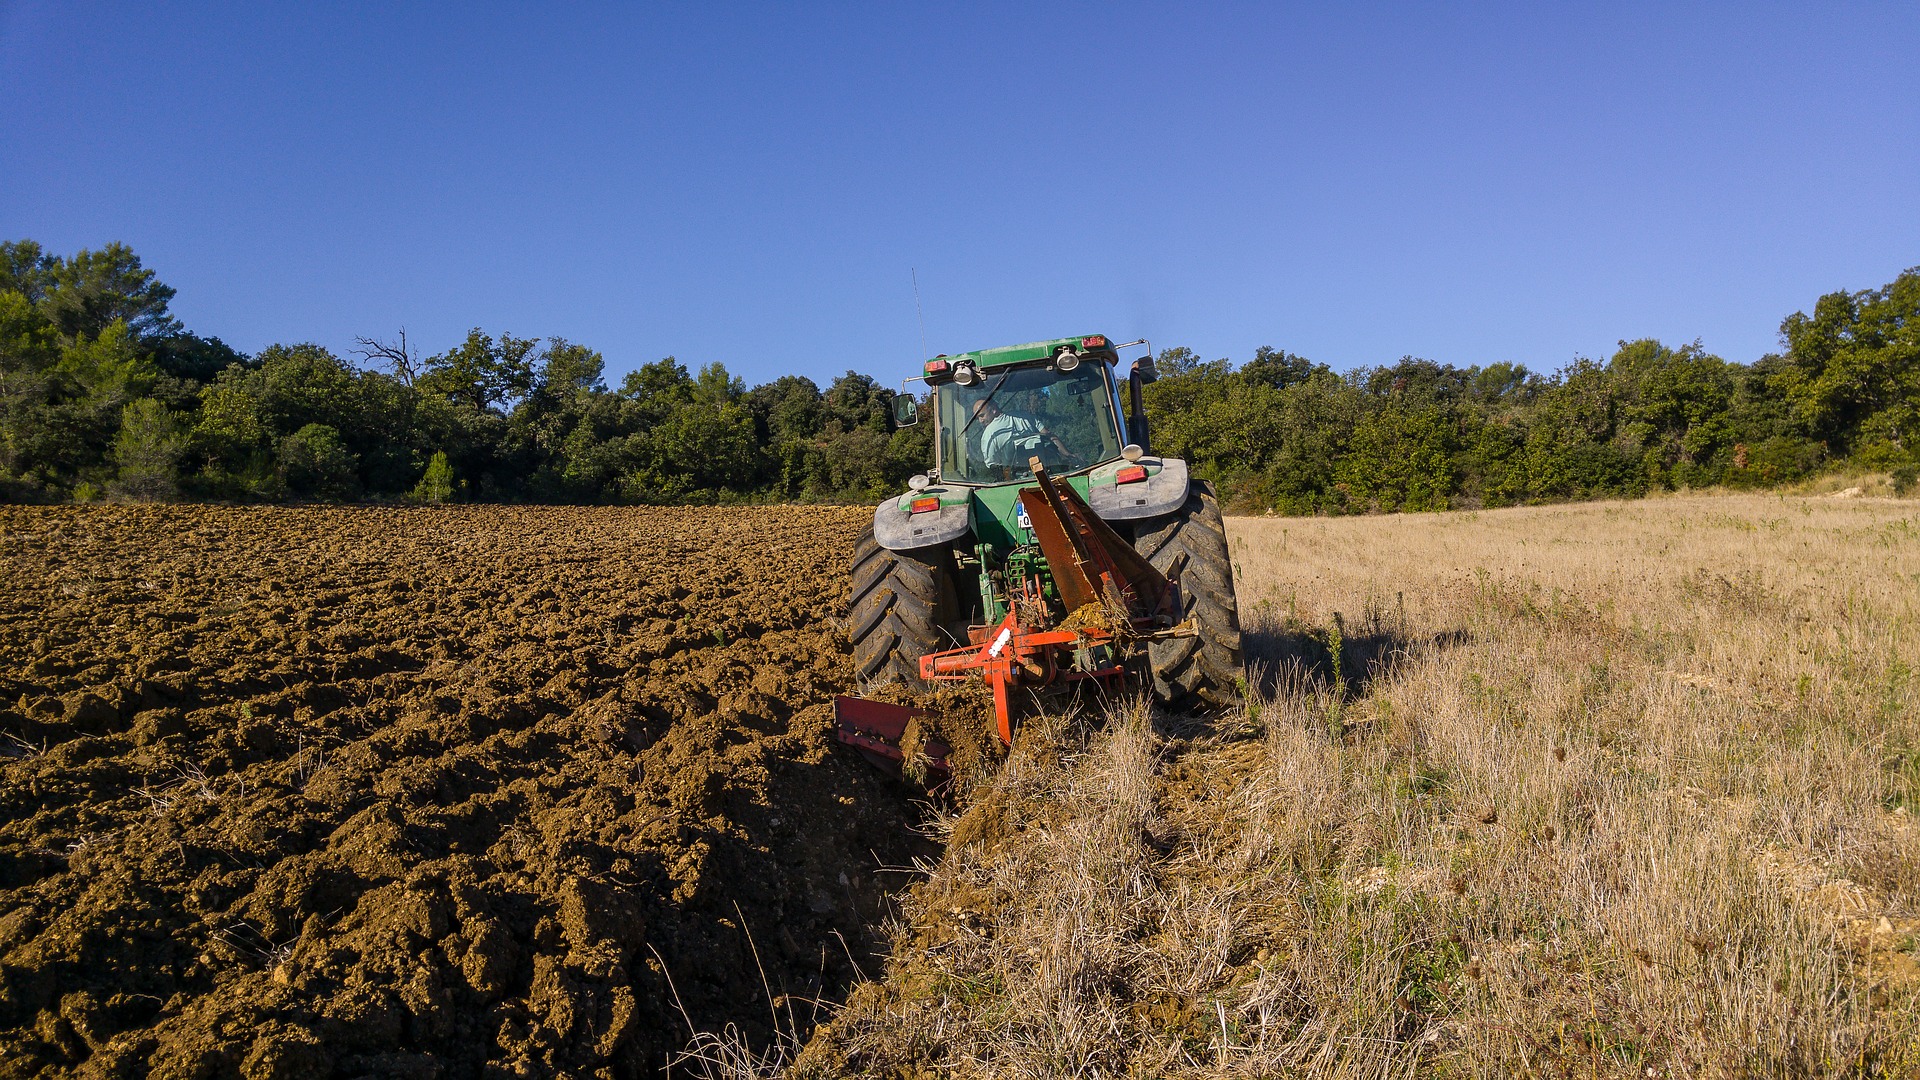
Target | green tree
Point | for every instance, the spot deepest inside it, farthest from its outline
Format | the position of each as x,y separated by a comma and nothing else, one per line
704,447
146,452
1178,361
316,464
566,370
562,423
31,387
1400,458
297,385
436,485
93,290
788,413
1278,368
232,423
657,389
716,386
788,408
1502,383
1676,411
1852,375
482,373
61,400
1570,450
1315,423
385,425
251,417
25,269
857,401
193,359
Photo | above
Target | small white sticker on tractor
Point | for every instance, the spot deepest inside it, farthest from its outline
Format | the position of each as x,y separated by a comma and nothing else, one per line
1000,642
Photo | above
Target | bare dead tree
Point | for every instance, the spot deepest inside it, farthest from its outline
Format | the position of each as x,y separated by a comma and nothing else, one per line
399,357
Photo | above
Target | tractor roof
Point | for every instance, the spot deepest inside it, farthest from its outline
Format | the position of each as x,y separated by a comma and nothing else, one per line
1037,350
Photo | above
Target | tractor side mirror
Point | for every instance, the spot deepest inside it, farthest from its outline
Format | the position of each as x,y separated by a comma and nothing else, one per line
1141,374
906,410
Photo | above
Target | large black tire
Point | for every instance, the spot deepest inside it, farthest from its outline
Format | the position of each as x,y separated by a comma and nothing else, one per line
901,607
1201,672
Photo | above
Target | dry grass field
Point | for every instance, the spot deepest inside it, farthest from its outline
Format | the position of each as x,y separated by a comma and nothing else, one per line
1618,789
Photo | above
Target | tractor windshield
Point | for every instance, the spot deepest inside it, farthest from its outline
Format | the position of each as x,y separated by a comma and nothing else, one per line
989,430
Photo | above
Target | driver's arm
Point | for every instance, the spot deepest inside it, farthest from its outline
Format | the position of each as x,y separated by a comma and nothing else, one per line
1032,425
1047,433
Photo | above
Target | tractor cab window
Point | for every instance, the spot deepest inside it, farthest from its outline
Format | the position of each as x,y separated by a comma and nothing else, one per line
989,431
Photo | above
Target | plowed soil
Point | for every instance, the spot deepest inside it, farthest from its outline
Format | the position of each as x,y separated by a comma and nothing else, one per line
423,792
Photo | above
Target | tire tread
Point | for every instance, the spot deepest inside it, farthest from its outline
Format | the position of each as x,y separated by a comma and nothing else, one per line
1201,672
897,609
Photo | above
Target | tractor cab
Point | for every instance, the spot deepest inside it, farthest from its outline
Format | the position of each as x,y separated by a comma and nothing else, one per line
989,432
997,410
998,413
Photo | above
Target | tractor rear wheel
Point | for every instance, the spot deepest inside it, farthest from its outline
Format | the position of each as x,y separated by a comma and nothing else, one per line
900,608
1203,671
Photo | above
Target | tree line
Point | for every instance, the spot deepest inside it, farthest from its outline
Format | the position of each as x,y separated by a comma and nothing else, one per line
1282,433
103,393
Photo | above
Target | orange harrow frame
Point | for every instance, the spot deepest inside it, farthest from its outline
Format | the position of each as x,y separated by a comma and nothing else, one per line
1012,655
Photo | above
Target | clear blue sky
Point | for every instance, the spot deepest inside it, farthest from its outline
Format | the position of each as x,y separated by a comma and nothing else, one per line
753,184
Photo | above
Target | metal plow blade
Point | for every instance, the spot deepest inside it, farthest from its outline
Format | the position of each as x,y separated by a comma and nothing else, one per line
876,729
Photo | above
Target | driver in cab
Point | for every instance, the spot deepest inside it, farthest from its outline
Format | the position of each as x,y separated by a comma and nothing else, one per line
1008,440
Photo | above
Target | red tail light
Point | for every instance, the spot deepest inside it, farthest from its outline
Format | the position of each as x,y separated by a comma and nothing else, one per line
1132,474
937,367
1097,341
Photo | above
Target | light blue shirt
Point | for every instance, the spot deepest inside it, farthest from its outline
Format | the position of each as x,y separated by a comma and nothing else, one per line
1010,440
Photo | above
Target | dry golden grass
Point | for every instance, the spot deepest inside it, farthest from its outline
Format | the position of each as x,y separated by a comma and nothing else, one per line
1619,789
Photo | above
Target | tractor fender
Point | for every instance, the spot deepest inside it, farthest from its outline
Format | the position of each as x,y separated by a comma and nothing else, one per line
898,529
1162,492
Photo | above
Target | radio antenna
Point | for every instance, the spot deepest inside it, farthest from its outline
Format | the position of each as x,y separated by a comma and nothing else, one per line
917,312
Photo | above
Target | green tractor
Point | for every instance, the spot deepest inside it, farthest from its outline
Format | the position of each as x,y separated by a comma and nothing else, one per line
1046,546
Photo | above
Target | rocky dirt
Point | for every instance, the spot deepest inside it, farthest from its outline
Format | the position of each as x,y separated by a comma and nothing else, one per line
424,792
